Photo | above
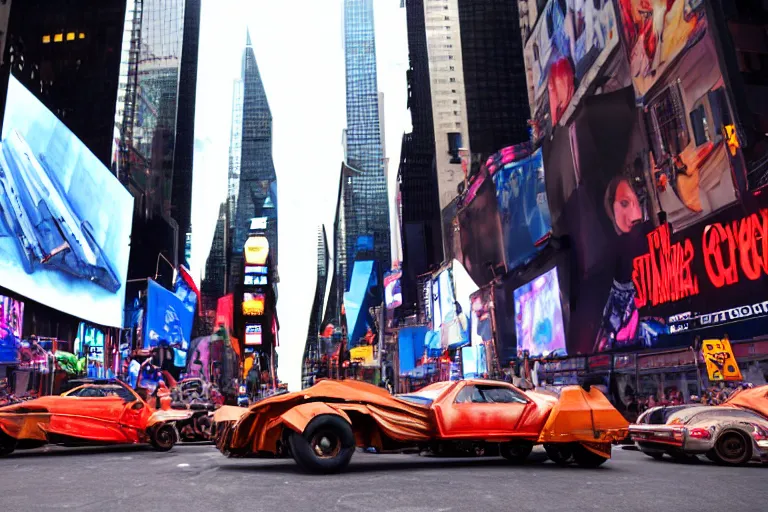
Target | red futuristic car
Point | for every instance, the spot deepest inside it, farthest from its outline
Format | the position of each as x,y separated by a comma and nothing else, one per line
321,426
91,414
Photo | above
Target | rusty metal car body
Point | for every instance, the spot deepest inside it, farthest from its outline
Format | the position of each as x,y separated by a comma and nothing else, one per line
732,433
91,414
321,426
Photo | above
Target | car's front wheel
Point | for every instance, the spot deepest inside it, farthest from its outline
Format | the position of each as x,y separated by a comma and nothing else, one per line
559,453
586,458
732,448
516,453
326,446
163,438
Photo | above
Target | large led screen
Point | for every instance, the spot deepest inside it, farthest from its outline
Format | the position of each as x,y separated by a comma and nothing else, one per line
168,319
539,317
11,320
65,219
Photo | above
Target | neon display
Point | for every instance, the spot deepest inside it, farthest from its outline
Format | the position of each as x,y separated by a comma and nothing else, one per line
730,250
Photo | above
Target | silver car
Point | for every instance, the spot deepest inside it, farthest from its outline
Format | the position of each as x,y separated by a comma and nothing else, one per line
733,433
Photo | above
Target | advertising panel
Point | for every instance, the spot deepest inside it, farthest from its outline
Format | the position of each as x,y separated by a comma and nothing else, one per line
256,275
393,293
482,252
256,250
11,321
186,290
253,304
568,46
481,326
253,334
167,319
539,317
61,244
523,210
225,310
720,361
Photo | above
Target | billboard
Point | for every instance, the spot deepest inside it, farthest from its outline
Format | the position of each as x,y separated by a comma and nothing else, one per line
256,250
167,319
253,304
225,310
256,275
482,252
253,334
539,317
523,210
393,292
61,243
656,33
11,322
566,50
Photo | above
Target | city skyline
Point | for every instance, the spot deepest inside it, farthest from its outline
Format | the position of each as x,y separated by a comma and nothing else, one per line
306,151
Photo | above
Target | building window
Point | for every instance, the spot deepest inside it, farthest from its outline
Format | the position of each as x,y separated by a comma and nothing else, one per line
454,144
452,79
70,36
46,39
81,35
668,121
700,127
58,38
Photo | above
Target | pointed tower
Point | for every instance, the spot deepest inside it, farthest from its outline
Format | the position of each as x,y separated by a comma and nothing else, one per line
253,191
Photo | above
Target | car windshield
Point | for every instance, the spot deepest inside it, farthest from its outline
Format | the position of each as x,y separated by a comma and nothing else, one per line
112,390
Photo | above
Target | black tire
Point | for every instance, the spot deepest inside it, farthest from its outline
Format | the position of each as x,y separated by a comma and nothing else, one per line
587,459
7,444
516,453
732,448
326,446
559,453
163,438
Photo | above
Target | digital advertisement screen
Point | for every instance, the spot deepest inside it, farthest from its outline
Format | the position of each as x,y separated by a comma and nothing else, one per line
90,341
167,319
11,321
253,304
61,243
539,317
253,334
393,293
256,250
255,275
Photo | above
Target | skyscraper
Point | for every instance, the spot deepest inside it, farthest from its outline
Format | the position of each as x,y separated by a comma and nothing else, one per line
312,349
446,75
214,283
367,224
417,176
494,75
256,184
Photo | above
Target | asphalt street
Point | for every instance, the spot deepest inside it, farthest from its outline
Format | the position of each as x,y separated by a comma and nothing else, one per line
194,478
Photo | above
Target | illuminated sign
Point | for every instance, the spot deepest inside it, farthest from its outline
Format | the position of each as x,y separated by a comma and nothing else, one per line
720,361
256,250
255,276
253,304
253,334
730,250
259,223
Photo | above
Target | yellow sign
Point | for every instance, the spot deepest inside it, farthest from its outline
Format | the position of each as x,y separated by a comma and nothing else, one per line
731,139
256,250
721,363
253,304
363,355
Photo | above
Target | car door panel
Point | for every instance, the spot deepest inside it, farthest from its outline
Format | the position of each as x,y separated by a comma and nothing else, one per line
92,419
475,420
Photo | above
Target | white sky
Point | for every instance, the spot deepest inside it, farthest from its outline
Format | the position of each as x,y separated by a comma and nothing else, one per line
298,47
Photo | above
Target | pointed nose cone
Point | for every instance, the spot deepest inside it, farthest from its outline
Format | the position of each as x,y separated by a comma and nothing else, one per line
248,37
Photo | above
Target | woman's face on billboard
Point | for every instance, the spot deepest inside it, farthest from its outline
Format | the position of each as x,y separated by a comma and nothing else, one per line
626,207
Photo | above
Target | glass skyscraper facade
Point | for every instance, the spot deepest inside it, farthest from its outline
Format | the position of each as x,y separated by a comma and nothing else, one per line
367,227
256,182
